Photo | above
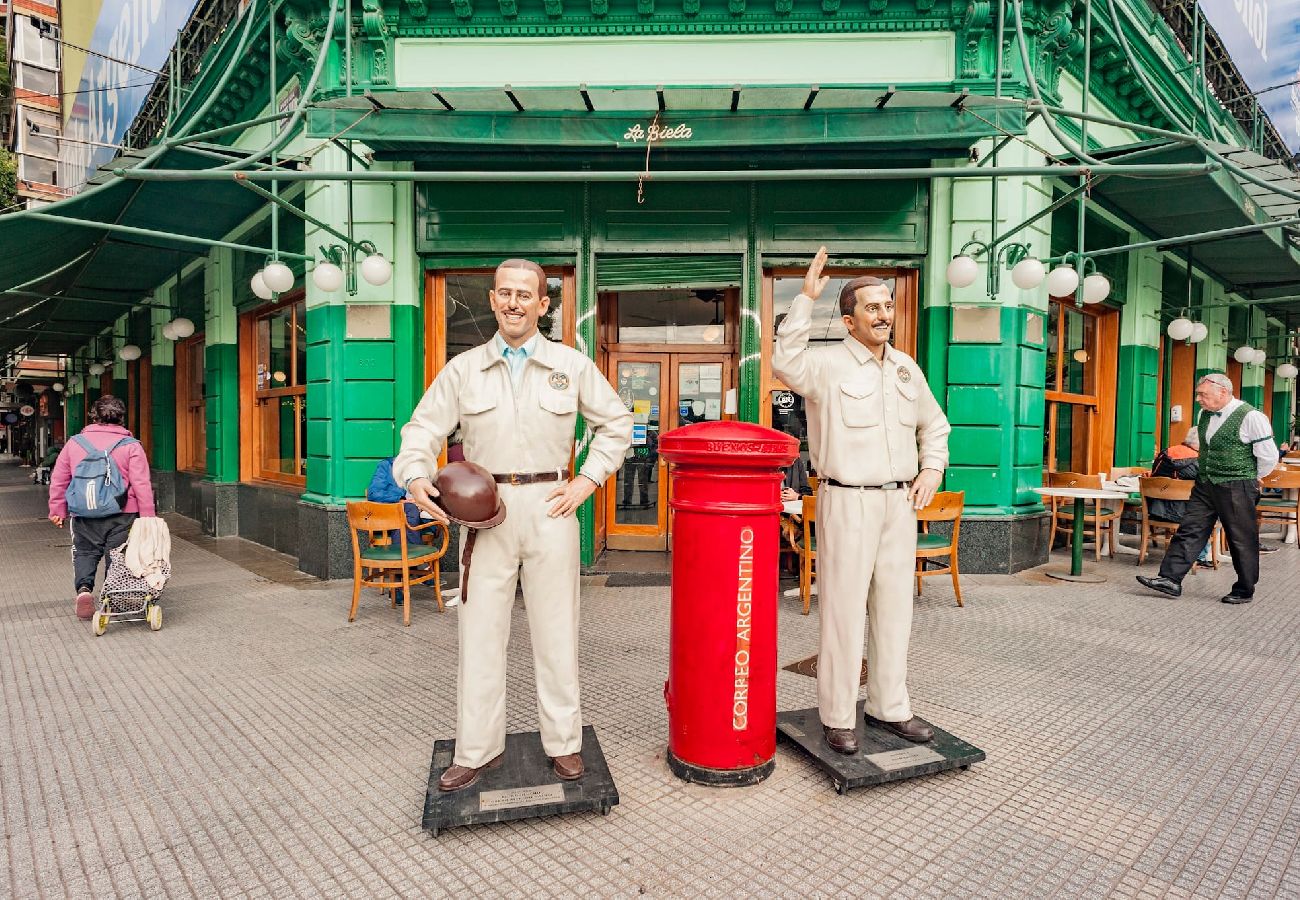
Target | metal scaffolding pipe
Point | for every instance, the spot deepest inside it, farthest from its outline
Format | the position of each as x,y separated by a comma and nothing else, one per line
1201,238
158,235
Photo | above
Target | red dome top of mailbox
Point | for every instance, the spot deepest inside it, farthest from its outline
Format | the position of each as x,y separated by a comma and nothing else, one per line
739,444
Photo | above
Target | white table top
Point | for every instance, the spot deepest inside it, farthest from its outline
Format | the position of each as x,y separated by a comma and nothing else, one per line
1291,462
792,507
1081,493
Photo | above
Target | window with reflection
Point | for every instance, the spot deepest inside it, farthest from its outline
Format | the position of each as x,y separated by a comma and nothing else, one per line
673,316
1072,379
467,312
279,376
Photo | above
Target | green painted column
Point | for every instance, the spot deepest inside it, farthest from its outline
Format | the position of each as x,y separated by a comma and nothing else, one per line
74,410
1139,362
984,356
221,368
585,340
162,386
364,351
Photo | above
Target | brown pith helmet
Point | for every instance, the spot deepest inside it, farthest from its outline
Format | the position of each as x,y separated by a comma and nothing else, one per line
467,493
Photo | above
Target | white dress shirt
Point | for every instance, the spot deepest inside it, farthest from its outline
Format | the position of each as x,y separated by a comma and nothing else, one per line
1255,431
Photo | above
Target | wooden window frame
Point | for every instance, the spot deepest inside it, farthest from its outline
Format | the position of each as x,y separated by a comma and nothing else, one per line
435,311
906,324
250,423
189,403
1100,406
435,319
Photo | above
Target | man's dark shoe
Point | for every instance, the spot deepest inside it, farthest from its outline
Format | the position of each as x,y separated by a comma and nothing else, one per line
1269,548
458,777
568,767
1161,584
913,729
841,740
1235,598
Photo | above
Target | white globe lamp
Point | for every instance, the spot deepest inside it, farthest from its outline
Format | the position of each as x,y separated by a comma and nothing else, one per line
261,289
169,332
95,369
129,352
376,270
1028,273
962,271
278,277
1062,281
1286,370
57,387
1180,329
1096,288
182,327
327,276
1261,356
1200,331
1244,354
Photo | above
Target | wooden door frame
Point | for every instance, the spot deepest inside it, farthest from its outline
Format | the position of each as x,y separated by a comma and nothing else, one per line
660,538
1101,406
906,320
642,537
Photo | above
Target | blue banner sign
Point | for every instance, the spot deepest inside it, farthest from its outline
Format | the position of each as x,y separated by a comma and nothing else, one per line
1263,37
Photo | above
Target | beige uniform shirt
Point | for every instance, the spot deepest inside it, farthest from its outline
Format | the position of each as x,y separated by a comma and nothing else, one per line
529,430
870,421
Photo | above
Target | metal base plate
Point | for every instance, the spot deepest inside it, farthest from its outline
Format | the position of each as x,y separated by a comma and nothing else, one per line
1084,578
719,777
524,786
883,756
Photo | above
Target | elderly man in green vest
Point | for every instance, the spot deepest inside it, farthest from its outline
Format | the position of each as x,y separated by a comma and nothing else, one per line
1237,450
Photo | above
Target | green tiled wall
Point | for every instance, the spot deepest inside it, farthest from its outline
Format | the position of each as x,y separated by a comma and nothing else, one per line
995,405
359,394
221,374
162,388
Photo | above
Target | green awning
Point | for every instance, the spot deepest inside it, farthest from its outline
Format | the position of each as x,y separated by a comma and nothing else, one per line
406,124
62,283
1262,266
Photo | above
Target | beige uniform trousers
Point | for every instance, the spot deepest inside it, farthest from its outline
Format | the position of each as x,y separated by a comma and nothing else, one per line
866,557
545,552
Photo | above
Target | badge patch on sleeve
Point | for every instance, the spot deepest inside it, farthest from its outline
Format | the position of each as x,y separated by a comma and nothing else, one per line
904,375
559,381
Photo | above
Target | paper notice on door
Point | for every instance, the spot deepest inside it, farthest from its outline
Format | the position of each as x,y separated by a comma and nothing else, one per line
711,385
712,409
641,412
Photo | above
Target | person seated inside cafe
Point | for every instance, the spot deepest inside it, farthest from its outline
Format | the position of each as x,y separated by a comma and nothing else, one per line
795,484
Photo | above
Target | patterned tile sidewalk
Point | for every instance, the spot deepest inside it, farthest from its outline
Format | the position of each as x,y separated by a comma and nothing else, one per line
261,746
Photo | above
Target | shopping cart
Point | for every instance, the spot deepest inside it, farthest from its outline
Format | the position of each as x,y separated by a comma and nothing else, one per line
128,597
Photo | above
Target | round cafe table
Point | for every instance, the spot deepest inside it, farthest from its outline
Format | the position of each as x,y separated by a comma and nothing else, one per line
1080,496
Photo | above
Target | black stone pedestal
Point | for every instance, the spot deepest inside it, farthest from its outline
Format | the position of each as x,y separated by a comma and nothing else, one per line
524,786
882,756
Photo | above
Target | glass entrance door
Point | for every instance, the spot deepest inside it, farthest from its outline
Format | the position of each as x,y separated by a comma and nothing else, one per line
663,391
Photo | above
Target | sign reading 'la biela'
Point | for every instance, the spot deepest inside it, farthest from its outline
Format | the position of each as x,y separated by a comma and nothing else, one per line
655,132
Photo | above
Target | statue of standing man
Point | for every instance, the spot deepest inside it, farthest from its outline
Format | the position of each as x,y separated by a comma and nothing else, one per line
516,401
879,443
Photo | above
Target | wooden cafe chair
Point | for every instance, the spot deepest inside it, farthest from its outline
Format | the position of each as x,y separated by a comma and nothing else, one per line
1172,489
392,565
1286,508
1102,520
945,507
808,552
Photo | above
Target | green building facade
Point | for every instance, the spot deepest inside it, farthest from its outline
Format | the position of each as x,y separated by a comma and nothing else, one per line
674,167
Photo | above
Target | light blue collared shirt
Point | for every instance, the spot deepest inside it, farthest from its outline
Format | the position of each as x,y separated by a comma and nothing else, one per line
515,356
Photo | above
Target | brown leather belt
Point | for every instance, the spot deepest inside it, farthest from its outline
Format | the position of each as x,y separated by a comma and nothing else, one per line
527,477
887,486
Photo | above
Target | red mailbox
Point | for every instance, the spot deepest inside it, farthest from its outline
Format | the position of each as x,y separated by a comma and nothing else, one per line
721,688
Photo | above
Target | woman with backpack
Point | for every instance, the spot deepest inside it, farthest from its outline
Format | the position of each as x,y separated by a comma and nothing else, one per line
99,486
